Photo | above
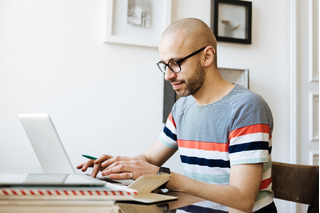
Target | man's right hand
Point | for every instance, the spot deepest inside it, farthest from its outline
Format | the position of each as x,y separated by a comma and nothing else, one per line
96,164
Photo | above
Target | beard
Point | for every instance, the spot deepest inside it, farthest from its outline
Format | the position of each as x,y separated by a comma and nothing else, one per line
193,83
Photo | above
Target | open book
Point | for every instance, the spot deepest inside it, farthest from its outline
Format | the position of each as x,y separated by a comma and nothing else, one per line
140,190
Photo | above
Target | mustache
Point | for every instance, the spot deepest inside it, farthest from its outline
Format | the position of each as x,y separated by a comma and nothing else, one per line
172,81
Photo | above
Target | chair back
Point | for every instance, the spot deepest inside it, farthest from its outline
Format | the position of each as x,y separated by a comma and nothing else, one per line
296,183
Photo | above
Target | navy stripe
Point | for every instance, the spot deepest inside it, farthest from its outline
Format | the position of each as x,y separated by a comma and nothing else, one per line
193,208
169,133
261,145
205,162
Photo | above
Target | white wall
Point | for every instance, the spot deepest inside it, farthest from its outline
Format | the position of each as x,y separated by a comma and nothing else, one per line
54,59
107,98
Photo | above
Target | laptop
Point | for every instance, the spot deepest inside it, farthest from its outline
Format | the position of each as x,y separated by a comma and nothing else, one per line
53,158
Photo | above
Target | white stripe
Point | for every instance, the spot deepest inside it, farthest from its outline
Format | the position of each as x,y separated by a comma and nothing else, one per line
205,169
181,211
204,154
266,174
255,137
170,126
262,203
249,154
167,140
211,205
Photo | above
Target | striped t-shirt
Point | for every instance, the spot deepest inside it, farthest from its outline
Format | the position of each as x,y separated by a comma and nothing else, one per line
234,130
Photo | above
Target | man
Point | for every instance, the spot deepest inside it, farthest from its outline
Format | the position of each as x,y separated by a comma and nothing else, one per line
223,131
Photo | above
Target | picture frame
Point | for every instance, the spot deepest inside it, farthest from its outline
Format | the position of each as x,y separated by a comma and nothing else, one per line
122,28
232,75
236,76
231,20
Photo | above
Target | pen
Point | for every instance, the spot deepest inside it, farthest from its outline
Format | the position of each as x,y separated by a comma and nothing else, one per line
90,157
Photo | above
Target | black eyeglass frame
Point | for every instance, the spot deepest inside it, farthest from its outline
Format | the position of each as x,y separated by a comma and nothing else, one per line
178,62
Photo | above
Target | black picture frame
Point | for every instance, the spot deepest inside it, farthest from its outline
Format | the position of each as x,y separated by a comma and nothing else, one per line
169,98
231,20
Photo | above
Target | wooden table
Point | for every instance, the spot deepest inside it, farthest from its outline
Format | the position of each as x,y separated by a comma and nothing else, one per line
50,206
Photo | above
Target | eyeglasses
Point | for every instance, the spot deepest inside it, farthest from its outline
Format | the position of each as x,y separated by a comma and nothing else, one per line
175,65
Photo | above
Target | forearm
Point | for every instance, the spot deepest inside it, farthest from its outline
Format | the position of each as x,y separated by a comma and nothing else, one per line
157,154
226,195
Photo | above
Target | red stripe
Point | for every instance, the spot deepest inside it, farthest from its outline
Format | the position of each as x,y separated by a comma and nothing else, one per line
82,192
114,193
49,192
31,192
209,146
14,192
57,192
66,192
74,192
40,192
5,192
23,192
90,192
172,120
105,192
265,183
98,192
249,130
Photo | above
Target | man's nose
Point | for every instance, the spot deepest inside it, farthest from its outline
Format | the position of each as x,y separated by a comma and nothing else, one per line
169,74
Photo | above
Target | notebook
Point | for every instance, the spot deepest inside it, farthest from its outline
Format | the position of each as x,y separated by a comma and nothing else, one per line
53,158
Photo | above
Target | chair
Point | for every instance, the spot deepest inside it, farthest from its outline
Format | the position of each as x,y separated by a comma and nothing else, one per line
296,183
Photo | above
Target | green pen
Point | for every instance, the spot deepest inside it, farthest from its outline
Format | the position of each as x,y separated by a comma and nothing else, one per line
90,157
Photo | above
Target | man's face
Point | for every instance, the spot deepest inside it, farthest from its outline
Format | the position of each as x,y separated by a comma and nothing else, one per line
174,47
188,81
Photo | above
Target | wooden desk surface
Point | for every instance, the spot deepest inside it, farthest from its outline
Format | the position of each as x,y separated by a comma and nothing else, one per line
99,206
183,200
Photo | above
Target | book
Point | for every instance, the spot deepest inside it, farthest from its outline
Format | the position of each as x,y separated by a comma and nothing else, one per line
140,191
57,193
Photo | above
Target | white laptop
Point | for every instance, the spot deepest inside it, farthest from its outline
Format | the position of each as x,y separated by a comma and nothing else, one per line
53,158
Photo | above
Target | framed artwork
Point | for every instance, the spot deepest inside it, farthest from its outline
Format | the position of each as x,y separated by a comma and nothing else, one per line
231,20
137,22
236,76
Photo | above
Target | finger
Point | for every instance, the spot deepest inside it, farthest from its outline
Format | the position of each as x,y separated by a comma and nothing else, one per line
118,167
122,176
103,158
80,166
86,165
95,170
124,165
115,159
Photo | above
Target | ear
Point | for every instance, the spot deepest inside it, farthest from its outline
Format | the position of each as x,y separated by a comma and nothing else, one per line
208,56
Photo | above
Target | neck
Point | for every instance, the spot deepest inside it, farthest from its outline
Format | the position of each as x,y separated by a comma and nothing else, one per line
213,89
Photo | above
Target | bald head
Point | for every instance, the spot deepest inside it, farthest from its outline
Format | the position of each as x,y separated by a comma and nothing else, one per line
190,33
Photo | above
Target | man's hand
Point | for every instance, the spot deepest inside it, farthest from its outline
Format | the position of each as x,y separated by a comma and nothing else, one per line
96,164
122,167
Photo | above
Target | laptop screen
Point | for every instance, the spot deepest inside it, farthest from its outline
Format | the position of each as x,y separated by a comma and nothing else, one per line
46,143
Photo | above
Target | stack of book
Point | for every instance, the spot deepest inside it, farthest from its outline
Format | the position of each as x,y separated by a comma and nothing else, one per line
139,191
